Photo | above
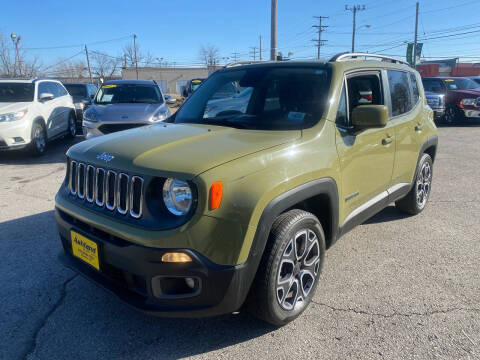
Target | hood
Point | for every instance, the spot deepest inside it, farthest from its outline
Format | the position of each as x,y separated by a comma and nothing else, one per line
187,149
124,112
12,107
470,93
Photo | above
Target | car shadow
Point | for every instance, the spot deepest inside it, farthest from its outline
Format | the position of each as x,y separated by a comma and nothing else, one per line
55,153
390,213
56,306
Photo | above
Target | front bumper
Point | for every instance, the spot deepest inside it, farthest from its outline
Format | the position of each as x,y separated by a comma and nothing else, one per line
134,272
15,135
472,113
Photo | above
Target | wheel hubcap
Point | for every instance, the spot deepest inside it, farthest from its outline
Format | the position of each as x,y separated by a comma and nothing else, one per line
424,181
298,269
39,139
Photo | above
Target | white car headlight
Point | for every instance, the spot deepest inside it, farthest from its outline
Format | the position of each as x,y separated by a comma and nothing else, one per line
177,196
470,101
160,115
15,116
79,105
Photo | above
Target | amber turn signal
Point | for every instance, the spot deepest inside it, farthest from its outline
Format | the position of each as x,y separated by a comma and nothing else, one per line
176,257
216,192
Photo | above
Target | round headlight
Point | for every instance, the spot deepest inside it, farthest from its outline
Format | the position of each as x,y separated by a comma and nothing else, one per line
177,196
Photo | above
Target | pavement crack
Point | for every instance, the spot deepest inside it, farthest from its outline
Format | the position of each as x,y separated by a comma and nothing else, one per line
394,314
32,345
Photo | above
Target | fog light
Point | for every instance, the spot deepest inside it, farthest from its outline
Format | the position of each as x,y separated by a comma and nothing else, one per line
176,257
190,282
18,139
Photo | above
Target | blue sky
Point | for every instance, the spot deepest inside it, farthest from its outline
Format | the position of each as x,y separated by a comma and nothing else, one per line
175,30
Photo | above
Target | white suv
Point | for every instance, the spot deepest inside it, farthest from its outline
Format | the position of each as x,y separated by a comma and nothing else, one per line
33,112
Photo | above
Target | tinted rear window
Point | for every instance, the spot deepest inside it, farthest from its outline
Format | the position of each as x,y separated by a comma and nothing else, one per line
76,90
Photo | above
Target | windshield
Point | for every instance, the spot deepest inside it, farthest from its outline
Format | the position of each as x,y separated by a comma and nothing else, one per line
16,92
461,84
267,98
77,91
128,93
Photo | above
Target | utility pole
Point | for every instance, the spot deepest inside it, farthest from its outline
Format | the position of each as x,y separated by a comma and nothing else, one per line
354,10
415,42
254,48
321,28
273,32
235,56
260,49
135,49
88,63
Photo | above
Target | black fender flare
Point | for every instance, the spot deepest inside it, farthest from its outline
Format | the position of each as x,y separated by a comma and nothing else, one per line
324,186
431,141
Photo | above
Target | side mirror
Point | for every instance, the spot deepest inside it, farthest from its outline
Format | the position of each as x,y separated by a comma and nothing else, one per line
46,96
370,116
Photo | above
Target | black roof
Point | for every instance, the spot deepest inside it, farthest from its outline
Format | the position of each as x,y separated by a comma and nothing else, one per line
131,81
77,83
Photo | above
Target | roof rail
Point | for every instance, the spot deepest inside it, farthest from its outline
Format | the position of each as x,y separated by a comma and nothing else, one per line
244,62
353,56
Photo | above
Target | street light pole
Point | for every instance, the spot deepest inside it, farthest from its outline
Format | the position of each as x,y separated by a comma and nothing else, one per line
273,32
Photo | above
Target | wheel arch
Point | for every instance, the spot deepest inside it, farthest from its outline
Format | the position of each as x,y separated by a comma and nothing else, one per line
322,190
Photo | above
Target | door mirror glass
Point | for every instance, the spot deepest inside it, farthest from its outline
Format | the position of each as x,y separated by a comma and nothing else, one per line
46,96
370,116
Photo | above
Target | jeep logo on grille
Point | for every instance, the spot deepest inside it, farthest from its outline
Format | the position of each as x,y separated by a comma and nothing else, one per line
105,157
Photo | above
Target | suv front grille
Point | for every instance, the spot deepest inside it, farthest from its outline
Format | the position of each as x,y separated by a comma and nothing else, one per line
104,187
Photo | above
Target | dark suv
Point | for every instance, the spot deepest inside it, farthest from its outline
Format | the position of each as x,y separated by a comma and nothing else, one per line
82,94
462,97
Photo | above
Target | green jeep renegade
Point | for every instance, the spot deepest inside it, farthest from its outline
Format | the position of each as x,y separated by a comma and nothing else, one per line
199,215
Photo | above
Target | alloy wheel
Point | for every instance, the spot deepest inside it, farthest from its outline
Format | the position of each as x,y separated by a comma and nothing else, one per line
423,185
298,269
40,140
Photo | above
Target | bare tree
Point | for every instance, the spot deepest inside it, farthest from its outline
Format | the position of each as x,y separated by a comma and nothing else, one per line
70,69
143,58
13,64
103,65
209,55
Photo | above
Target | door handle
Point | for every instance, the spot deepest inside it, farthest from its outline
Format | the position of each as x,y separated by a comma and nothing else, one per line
418,127
387,140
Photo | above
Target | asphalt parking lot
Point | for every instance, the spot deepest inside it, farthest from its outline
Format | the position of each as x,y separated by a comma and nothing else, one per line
396,287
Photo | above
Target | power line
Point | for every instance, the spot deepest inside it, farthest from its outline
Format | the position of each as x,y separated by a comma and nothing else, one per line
78,45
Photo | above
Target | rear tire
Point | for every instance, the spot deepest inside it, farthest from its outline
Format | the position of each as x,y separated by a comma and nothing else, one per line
417,198
290,268
38,144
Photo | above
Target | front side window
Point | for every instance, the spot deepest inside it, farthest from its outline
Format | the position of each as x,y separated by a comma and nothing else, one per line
16,92
364,90
264,97
400,92
342,112
128,93
60,89
43,88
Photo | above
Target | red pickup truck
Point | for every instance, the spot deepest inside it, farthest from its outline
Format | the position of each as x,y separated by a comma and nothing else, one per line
462,97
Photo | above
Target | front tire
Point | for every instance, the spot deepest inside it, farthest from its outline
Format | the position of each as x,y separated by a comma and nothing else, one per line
290,268
38,144
72,126
417,198
452,115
